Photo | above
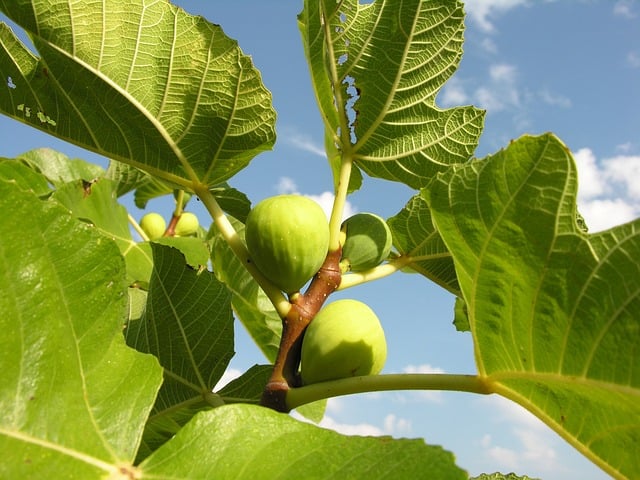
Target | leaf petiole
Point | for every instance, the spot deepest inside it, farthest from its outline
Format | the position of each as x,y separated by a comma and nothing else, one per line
297,397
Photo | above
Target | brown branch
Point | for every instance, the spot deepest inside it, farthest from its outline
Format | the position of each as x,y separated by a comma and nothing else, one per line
304,308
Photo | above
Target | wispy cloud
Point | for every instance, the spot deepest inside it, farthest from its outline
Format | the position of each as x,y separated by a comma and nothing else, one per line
554,99
633,59
453,94
501,92
535,444
625,9
302,141
483,12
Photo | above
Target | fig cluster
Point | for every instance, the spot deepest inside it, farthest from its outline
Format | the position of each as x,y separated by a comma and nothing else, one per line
154,225
287,237
366,242
345,339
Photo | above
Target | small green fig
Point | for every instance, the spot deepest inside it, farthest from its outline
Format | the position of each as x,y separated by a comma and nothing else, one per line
345,339
288,238
367,242
153,225
187,225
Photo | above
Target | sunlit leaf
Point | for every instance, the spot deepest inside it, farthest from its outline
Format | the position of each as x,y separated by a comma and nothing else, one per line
553,311
24,177
96,203
73,396
140,82
238,441
58,168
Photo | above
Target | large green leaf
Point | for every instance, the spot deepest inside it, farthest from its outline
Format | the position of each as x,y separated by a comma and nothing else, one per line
73,397
414,236
554,311
58,168
24,177
139,81
376,69
246,441
188,326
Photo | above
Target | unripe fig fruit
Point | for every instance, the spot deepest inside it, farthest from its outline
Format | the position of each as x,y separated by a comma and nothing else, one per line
187,225
288,238
345,339
153,225
367,242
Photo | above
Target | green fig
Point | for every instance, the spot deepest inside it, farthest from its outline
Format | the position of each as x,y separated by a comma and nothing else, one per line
345,339
153,225
288,238
366,242
187,225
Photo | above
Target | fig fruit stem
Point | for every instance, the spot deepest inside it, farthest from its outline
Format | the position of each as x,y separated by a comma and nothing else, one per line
136,226
376,273
339,202
277,298
296,397
303,309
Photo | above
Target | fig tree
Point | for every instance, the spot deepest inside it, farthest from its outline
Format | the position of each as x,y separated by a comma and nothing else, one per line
345,339
367,242
153,225
187,224
288,238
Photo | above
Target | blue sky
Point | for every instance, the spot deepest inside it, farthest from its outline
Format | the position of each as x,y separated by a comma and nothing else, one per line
571,67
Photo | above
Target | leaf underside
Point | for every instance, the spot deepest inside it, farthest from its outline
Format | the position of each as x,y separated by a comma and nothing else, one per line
239,441
553,310
376,70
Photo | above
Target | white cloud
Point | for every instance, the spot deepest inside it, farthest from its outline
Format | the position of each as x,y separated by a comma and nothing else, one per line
481,12
603,214
396,426
554,99
608,191
501,91
351,429
489,45
624,170
302,141
624,147
287,185
424,368
624,8
590,180
453,94
502,72
633,59
325,200
535,445
392,424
